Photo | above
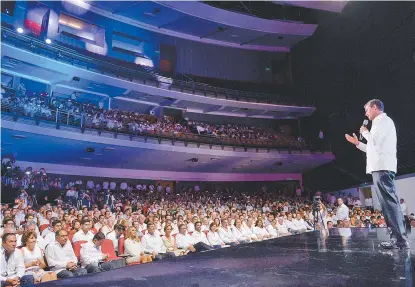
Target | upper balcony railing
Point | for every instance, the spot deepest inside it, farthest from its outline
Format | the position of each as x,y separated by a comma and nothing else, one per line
130,71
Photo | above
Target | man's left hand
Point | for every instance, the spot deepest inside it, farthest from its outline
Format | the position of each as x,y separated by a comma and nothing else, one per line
363,129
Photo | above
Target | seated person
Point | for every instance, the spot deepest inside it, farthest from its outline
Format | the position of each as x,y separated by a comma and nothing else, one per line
92,259
33,258
170,242
187,242
238,232
282,227
12,273
198,235
260,231
116,234
32,227
272,229
85,233
213,236
154,245
225,234
133,247
61,257
249,230
50,237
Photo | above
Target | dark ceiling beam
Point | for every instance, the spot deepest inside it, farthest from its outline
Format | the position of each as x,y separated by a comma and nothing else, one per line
126,7
218,30
170,22
254,39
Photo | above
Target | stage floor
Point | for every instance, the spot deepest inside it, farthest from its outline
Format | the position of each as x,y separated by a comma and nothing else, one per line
346,257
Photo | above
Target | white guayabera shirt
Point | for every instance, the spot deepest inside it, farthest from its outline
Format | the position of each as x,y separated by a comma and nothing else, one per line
381,145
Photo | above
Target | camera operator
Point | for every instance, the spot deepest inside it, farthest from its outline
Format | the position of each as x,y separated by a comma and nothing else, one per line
319,213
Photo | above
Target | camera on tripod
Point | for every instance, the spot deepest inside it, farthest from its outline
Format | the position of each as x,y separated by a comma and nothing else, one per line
316,202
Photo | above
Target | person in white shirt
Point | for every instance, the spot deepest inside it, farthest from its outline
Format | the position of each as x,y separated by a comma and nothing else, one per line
282,227
115,235
198,235
32,227
90,184
271,228
405,212
342,210
187,242
85,232
141,225
213,236
260,231
61,257
12,269
382,164
154,245
105,185
368,202
134,248
91,256
50,237
357,202
238,232
225,234
33,258
113,185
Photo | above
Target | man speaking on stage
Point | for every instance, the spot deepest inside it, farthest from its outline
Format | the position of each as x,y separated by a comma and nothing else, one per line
381,162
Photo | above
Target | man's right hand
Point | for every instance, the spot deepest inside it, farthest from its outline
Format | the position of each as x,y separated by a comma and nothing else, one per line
13,281
352,139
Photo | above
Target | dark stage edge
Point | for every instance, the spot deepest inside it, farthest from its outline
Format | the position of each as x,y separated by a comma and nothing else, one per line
348,257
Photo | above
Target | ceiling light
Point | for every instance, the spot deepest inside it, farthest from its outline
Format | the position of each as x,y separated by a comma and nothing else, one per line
20,30
48,41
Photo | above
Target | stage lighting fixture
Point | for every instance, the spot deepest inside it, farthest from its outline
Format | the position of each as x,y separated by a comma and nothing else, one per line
20,30
48,41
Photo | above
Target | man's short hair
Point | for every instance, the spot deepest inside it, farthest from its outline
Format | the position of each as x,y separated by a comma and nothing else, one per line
54,222
85,220
375,102
119,227
5,235
99,236
58,233
150,223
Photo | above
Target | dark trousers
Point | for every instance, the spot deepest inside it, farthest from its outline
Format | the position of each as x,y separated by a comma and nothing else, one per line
200,246
96,268
67,274
384,182
162,256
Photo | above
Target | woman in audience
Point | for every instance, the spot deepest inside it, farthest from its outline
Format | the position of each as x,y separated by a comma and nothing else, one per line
132,246
260,231
108,226
170,242
33,259
76,226
238,233
213,236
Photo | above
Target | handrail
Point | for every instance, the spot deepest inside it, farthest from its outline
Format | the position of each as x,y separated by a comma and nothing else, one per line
84,122
94,60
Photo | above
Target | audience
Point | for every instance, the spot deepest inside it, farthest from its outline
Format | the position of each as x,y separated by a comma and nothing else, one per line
44,107
156,224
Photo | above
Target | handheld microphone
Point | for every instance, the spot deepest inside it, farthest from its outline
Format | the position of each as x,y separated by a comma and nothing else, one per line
365,122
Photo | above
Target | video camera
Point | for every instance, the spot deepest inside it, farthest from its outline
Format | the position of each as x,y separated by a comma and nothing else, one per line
316,202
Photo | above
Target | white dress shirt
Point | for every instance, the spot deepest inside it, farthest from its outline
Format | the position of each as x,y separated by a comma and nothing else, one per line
199,237
14,267
190,227
90,254
113,237
381,145
404,209
226,235
183,241
153,243
368,201
81,235
214,238
239,234
49,238
342,212
260,231
58,256
272,231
